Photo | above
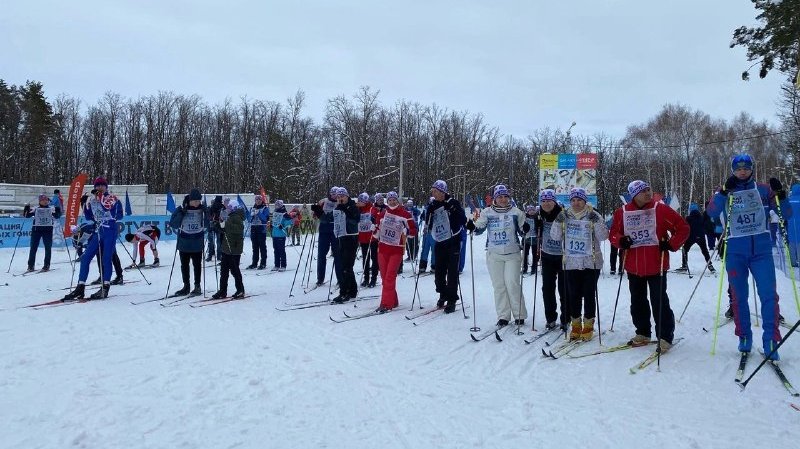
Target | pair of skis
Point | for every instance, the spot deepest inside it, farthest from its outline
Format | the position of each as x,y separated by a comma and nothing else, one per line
321,303
744,357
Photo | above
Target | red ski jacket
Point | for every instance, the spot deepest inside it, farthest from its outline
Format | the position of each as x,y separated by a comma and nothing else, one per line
643,260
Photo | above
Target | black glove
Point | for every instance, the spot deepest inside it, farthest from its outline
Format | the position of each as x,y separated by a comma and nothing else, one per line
777,187
471,225
664,245
185,201
526,227
26,210
730,184
625,242
317,209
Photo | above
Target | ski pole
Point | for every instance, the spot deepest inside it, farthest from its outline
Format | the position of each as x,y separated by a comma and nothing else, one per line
297,269
723,240
132,259
474,327
767,357
171,270
461,294
697,284
519,309
755,298
203,261
19,234
659,329
536,279
619,288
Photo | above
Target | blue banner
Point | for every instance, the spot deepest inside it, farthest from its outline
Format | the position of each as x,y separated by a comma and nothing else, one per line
13,228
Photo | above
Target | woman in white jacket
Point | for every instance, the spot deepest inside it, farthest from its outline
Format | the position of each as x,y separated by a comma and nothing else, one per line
505,225
580,229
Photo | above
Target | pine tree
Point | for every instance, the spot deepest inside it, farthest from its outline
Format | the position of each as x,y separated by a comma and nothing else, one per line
776,42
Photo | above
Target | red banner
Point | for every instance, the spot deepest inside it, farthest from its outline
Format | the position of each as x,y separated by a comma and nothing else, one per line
73,207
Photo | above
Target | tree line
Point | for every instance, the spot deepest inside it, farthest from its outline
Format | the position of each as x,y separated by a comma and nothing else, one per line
177,142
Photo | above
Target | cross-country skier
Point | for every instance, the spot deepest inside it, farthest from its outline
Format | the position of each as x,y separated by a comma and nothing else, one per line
446,220
259,216
642,229
427,243
368,245
190,221
345,228
505,225
103,209
395,226
748,248
279,223
44,217
697,235
230,225
326,241
531,240
146,235
552,268
580,229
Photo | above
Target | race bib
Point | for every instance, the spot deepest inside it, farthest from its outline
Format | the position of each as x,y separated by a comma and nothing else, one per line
339,223
578,237
365,222
441,225
277,219
747,214
43,216
500,229
392,230
192,221
640,226
101,216
550,246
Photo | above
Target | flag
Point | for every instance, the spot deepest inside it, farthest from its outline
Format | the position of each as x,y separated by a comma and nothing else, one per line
242,205
264,196
170,202
74,205
128,210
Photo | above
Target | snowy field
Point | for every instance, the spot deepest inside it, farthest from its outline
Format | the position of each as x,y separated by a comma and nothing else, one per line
108,374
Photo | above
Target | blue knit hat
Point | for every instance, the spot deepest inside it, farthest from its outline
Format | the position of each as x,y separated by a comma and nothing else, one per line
547,195
499,190
440,186
341,191
579,193
636,187
391,195
363,197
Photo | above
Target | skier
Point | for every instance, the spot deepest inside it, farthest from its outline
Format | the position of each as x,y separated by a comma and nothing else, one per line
279,222
506,224
427,243
748,248
146,235
44,218
394,228
580,230
103,210
259,216
613,253
697,234
531,242
326,241
552,269
296,217
230,225
412,245
446,220
190,222
368,245
345,229
213,251
641,228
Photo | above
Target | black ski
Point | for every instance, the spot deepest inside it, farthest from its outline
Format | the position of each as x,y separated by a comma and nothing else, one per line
742,364
540,335
483,335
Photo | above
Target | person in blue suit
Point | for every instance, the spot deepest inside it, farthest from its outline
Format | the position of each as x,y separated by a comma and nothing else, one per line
745,206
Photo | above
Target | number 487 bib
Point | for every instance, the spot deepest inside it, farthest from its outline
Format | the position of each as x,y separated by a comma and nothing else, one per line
747,214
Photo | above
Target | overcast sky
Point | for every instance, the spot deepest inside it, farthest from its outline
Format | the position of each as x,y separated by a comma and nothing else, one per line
605,64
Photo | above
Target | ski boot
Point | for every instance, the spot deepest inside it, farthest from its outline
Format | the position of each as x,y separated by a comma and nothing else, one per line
364,282
117,280
372,282
252,266
75,294
183,291
519,322
588,329
45,268
155,263
551,325
197,290
451,306
238,295
219,295
102,293
97,281
576,332
638,340
711,267
30,270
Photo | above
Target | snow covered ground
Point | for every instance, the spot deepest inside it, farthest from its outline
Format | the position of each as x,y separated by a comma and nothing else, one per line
108,374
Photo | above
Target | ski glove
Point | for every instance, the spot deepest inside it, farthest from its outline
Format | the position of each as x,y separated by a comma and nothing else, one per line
777,187
625,242
526,227
730,184
664,245
26,210
471,226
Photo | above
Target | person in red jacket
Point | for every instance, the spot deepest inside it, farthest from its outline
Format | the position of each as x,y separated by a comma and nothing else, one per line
394,226
645,231
368,245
